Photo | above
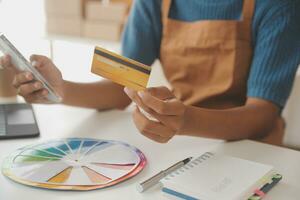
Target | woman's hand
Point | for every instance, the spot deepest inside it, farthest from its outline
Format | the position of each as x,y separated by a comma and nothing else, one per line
30,89
161,104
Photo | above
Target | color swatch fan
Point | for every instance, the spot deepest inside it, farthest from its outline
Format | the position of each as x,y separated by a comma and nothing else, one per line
74,164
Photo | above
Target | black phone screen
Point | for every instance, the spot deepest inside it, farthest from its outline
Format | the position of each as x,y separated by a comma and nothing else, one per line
17,121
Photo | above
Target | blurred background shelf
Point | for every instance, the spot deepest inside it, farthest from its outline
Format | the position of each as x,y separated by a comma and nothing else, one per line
87,18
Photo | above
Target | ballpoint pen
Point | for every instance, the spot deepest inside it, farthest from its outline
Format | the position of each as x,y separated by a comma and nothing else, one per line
156,178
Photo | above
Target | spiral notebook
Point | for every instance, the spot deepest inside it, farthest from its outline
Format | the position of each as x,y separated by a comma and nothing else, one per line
214,177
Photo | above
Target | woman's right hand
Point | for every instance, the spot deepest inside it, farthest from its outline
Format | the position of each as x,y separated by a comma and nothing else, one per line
32,90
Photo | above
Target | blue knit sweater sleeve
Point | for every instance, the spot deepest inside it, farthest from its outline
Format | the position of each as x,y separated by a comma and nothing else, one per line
277,53
142,34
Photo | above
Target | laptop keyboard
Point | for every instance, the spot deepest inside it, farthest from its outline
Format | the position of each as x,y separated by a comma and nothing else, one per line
2,121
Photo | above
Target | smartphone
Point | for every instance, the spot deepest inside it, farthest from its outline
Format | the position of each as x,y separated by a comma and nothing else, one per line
22,64
17,121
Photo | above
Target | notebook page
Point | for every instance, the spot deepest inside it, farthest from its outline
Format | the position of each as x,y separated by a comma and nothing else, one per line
217,177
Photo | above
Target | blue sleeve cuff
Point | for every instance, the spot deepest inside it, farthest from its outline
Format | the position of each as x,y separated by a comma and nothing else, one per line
271,95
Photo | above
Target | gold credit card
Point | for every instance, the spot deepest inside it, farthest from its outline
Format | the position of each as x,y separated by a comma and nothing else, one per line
121,70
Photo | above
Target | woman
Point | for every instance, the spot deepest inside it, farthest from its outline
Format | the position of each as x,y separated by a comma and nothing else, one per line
231,64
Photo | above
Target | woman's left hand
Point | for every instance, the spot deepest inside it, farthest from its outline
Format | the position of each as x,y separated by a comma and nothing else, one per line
161,104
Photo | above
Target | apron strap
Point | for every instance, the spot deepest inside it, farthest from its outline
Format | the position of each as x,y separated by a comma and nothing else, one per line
166,6
248,10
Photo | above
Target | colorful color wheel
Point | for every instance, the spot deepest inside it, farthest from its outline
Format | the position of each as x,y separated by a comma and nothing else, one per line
74,164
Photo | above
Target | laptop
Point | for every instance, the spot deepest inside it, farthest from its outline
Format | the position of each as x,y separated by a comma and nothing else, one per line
17,121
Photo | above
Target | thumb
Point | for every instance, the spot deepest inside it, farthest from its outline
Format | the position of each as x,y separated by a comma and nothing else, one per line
162,93
39,61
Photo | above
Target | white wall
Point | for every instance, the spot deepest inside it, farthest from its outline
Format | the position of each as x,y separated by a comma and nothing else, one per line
292,116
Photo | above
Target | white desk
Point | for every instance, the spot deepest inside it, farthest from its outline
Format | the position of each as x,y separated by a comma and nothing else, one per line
62,121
